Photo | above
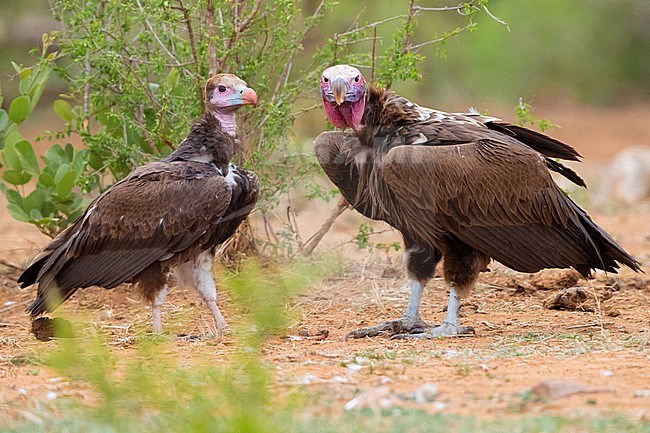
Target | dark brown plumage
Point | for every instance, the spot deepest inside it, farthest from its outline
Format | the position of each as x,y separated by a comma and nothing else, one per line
464,187
161,215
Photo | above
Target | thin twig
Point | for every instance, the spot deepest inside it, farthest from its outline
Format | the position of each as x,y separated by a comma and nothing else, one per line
190,34
12,306
311,243
11,265
212,50
374,46
155,35
367,26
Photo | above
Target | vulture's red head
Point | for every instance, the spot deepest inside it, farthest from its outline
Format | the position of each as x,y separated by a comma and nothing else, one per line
343,89
227,92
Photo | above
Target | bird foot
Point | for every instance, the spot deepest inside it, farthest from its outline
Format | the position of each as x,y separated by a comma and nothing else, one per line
402,326
444,330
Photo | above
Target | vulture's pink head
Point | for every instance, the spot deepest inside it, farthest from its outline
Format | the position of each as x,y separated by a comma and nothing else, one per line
227,92
343,89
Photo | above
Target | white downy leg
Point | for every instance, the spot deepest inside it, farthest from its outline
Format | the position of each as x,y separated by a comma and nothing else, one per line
205,285
156,310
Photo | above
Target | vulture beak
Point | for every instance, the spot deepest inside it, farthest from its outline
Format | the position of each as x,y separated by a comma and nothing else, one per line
247,96
339,89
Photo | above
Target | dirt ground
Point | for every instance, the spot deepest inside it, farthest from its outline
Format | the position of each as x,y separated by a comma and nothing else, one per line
598,354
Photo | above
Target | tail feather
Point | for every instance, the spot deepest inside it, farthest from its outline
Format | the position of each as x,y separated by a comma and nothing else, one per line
30,275
540,142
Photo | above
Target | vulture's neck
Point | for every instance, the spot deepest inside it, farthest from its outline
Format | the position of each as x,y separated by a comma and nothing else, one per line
227,121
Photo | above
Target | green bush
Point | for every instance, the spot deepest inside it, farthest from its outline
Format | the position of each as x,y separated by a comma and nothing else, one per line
136,72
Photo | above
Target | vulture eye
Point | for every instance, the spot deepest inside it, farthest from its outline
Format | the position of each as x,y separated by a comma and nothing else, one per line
356,79
326,79
222,88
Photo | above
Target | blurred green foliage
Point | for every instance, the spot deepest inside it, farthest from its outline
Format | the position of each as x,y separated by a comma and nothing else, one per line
145,387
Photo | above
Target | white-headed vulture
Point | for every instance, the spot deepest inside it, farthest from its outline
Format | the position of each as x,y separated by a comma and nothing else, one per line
165,214
463,187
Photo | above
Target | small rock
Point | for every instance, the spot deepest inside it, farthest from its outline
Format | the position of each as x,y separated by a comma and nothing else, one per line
51,395
606,373
308,379
425,393
642,393
375,399
577,299
353,368
339,379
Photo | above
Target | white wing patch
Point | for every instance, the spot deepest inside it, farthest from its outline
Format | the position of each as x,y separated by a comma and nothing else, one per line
421,138
230,178
425,113
201,158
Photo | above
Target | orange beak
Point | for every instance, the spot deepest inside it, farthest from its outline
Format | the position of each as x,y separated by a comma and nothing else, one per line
249,97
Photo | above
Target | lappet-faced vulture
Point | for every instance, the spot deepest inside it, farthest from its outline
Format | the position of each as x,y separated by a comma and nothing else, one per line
460,187
165,214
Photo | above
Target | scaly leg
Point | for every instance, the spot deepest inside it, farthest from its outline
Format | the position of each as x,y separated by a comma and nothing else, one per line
156,310
450,327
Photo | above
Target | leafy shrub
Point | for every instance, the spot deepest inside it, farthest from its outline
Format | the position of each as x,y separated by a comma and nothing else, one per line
136,72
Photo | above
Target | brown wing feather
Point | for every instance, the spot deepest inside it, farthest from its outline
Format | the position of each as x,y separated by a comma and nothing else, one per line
159,210
500,199
341,155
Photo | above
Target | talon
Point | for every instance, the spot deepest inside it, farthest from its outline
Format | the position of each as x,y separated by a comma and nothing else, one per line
393,327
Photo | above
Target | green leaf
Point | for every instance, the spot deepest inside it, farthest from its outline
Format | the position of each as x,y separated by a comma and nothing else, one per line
173,78
17,67
27,157
95,161
19,109
26,82
35,200
63,110
46,179
35,215
10,157
12,195
55,156
16,177
61,171
64,186
4,120
17,212
13,137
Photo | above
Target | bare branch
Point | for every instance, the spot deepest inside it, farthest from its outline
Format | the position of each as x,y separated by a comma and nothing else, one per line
368,26
155,35
312,242
190,34
212,50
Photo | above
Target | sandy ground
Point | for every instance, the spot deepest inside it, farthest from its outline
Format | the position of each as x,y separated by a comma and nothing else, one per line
518,343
